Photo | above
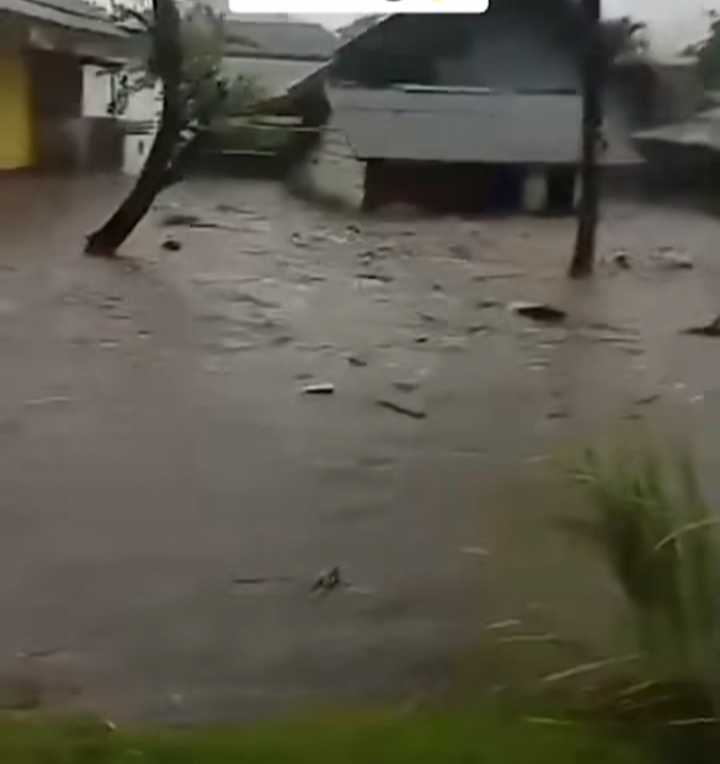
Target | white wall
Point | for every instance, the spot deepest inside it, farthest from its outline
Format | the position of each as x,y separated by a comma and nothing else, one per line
97,91
135,151
143,105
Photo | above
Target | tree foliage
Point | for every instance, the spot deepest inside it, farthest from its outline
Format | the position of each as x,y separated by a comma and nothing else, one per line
625,35
185,56
203,89
707,52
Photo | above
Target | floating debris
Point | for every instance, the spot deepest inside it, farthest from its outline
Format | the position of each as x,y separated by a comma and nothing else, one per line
327,581
632,416
405,386
510,623
53,399
710,330
319,388
260,580
529,638
400,408
478,551
538,311
357,361
620,258
383,278
232,208
489,271
670,259
171,245
560,413
180,219
208,224
477,329
549,721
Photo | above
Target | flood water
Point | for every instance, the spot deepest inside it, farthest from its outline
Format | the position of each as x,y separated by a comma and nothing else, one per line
171,492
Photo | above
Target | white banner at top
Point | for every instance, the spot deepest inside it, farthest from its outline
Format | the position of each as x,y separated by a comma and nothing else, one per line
360,7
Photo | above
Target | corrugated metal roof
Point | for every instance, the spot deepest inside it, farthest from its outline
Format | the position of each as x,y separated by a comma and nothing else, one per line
298,40
703,131
71,14
274,76
449,127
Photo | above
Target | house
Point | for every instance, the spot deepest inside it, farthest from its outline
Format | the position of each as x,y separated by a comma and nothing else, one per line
660,90
358,26
684,154
276,55
278,65
467,112
47,48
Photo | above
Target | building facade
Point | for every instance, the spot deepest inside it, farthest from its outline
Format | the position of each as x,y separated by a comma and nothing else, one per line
56,64
471,112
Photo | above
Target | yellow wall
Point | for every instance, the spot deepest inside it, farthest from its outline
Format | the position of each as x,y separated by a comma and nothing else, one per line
15,120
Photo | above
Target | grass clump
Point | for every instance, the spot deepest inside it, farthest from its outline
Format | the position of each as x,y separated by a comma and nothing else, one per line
487,737
659,537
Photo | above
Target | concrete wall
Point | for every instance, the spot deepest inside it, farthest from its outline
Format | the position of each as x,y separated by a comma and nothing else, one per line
97,91
143,108
145,105
16,145
99,86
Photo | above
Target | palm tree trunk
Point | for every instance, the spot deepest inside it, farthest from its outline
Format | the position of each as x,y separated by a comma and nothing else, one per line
167,59
584,257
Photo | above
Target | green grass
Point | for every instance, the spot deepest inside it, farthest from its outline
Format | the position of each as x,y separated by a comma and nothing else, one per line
659,537
361,738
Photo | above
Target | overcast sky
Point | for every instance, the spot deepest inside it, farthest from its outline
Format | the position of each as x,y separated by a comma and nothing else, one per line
672,23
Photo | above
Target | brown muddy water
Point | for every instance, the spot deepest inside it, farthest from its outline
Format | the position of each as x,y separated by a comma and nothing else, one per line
171,493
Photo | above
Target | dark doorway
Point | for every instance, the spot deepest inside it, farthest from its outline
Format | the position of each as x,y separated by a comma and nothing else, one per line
56,87
502,188
444,188
560,190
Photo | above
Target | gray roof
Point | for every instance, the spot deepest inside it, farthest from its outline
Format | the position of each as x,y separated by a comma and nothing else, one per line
71,14
274,76
703,131
542,128
292,40
360,26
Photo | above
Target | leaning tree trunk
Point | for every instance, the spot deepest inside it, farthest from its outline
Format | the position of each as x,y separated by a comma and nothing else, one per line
584,257
167,60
